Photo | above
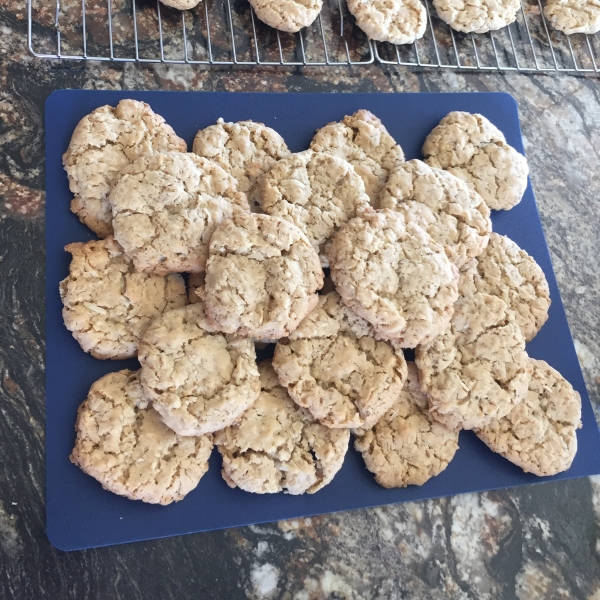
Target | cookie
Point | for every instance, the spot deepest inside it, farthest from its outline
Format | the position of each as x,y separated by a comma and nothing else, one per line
477,370
391,273
166,207
477,16
245,150
123,443
365,143
508,272
181,4
573,16
316,192
539,434
407,446
277,446
470,147
195,287
104,142
261,277
287,15
198,380
334,366
455,216
107,305
395,21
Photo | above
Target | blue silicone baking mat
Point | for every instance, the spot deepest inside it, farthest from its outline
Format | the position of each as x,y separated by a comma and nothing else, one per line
80,514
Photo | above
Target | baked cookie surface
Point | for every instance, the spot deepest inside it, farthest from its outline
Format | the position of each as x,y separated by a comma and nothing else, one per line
407,446
365,143
123,443
107,305
454,215
315,191
287,15
539,434
334,366
103,143
198,380
396,21
470,147
477,16
277,446
245,150
261,277
395,276
573,16
477,370
508,272
166,207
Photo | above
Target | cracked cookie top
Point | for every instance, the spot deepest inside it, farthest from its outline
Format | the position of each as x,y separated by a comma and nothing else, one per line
287,15
407,446
278,446
103,143
477,16
108,305
166,207
335,366
573,16
470,147
261,278
123,443
197,379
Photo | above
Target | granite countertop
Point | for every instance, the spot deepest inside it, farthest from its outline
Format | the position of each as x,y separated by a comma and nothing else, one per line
532,542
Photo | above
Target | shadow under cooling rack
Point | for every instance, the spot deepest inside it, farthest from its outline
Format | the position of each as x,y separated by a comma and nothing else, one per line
227,32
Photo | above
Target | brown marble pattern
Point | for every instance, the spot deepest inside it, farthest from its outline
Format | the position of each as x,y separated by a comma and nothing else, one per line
528,543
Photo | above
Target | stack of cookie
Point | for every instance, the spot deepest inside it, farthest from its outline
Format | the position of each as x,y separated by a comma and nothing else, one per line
256,230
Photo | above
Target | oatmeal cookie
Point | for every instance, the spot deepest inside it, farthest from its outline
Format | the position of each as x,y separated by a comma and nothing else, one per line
477,16
455,216
277,446
365,143
122,442
470,147
395,276
261,277
245,150
334,366
539,434
108,305
315,191
104,142
395,21
287,15
166,207
574,16
407,446
198,380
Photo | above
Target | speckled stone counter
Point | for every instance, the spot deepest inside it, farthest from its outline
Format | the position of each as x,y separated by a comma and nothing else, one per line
528,543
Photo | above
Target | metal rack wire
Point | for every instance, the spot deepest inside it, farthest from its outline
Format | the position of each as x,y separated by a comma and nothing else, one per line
227,32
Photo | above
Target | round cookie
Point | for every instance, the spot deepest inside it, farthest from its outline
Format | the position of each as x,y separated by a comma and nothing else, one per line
396,21
573,16
470,147
508,272
334,366
391,273
455,216
261,277
123,443
407,446
107,305
316,192
181,4
365,143
166,207
539,434
104,142
197,379
477,16
277,446
287,15
245,150
477,370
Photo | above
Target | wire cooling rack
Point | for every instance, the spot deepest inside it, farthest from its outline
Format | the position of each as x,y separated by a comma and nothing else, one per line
227,32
